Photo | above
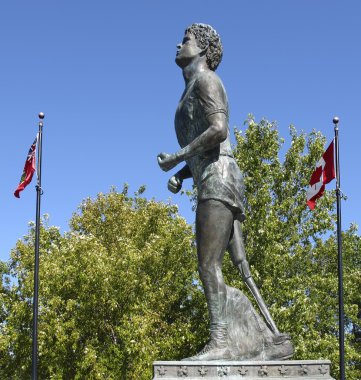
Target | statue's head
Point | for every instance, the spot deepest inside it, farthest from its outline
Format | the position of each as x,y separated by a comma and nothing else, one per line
208,38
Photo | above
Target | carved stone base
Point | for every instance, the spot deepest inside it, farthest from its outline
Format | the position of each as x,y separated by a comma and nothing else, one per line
238,370
248,336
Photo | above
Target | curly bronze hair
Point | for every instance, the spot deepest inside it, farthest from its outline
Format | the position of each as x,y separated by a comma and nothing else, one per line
207,36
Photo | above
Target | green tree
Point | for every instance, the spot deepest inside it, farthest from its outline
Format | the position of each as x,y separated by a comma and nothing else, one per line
120,289
116,293
292,250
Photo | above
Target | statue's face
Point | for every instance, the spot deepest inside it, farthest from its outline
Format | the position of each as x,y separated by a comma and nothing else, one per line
187,50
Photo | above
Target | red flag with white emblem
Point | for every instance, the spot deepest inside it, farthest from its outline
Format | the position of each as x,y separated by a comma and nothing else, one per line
29,169
323,174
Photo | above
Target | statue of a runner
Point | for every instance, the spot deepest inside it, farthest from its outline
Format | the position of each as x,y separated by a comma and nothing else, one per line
201,124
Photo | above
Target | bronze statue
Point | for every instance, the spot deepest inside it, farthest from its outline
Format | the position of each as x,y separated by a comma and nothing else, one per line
201,124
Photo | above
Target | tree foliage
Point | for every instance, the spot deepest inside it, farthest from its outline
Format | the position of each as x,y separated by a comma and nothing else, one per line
116,293
292,250
120,289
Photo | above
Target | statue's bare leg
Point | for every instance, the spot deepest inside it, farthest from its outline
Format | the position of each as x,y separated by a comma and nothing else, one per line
238,256
214,223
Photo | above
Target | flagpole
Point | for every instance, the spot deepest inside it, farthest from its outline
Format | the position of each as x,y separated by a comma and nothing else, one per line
339,250
37,238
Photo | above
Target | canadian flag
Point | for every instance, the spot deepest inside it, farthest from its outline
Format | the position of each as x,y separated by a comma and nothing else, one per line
324,173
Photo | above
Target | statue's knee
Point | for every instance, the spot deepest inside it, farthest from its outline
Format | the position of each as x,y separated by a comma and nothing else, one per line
244,269
207,270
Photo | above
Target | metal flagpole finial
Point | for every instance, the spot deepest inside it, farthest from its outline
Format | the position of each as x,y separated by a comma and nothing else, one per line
41,117
335,120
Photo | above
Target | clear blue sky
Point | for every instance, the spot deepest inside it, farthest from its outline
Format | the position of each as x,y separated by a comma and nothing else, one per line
103,72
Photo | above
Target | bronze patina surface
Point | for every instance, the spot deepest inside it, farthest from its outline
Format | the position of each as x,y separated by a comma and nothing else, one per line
201,125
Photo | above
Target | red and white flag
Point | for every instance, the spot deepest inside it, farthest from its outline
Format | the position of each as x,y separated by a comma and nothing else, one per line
324,173
29,169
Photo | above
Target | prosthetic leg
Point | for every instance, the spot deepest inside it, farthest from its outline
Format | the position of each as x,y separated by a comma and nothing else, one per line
238,256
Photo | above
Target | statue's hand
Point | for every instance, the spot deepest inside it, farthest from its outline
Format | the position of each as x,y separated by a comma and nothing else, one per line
167,161
174,184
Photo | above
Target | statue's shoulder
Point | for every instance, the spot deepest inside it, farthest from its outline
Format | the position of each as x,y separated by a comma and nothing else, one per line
207,77
209,81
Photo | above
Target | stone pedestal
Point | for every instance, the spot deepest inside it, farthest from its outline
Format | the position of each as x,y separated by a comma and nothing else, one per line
238,370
